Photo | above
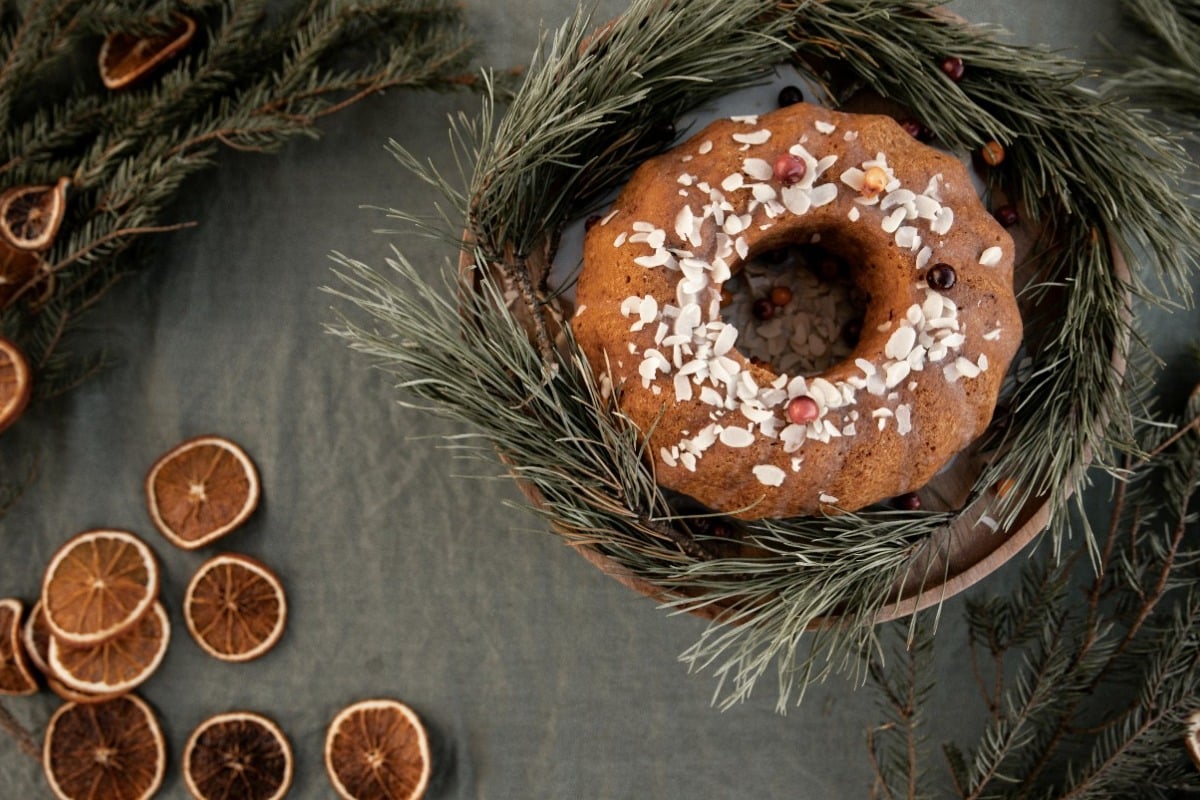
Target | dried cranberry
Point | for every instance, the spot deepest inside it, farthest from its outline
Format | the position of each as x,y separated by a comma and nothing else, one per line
941,277
953,67
1007,215
802,410
790,95
918,130
909,502
789,169
781,295
764,309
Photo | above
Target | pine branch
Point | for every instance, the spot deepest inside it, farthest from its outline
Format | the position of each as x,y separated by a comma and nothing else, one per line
258,79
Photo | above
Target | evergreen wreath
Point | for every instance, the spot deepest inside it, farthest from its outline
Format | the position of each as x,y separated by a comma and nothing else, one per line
1095,179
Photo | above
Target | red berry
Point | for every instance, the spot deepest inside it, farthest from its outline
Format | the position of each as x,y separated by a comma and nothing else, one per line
909,502
953,67
802,410
1007,216
763,309
918,130
789,169
781,295
992,153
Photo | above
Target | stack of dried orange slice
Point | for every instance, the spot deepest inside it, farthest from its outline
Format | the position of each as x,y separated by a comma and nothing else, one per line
106,631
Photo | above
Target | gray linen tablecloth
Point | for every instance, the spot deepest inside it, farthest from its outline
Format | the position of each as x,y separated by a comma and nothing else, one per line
409,575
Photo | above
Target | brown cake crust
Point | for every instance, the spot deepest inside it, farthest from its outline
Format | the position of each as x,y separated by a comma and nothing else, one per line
884,428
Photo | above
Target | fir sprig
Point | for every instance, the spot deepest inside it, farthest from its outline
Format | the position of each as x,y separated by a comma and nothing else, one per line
1165,75
258,75
1096,178
1090,700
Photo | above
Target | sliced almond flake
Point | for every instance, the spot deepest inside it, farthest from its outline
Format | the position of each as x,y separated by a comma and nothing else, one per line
657,238
851,136
991,256
900,197
741,247
853,178
854,214
725,340
903,419
620,240
685,179
641,226
907,237
824,127
769,474
734,225
828,498
665,455
687,158
732,182
992,335
950,371
757,137
891,223
758,168
823,195
934,188
659,258
705,147
924,256
763,193
683,388
982,362
894,374
796,200
755,412
648,309
825,163
688,460
748,119
901,342
926,207
796,464
942,221
710,396
736,437
966,367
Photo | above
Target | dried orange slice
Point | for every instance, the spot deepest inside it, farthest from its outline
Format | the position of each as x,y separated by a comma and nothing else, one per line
97,585
17,268
126,57
15,677
117,664
237,756
201,490
235,608
377,749
16,383
113,750
31,215
35,636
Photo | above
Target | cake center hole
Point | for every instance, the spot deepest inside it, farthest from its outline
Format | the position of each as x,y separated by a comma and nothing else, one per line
796,309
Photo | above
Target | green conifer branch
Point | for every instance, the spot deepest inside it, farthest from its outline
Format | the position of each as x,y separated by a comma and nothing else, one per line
256,77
